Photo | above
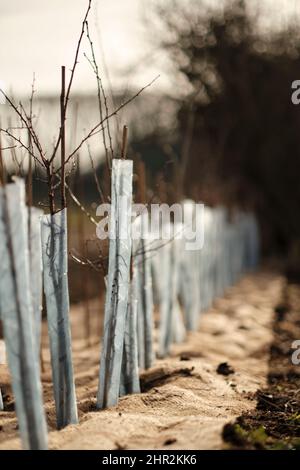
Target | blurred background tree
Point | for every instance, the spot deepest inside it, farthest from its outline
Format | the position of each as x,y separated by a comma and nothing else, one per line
238,133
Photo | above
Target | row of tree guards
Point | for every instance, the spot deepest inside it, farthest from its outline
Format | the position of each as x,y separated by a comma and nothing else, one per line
143,273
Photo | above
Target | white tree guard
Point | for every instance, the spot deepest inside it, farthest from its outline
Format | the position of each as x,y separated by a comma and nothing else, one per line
130,382
36,272
17,316
117,284
237,248
55,268
179,331
145,296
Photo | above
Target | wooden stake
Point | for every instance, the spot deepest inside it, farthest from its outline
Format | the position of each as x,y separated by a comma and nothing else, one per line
62,133
124,142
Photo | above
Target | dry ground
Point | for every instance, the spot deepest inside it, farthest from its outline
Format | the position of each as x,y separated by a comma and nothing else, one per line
185,402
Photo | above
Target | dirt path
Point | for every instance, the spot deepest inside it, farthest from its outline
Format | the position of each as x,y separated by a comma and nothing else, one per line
185,402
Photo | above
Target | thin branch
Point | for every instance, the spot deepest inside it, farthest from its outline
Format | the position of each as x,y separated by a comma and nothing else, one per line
101,89
95,70
24,146
29,126
124,142
29,176
50,177
26,123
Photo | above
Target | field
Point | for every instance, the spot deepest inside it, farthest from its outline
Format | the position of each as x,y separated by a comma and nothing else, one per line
149,237
184,402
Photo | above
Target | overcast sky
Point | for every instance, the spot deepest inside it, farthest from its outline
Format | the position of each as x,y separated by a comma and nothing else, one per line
40,35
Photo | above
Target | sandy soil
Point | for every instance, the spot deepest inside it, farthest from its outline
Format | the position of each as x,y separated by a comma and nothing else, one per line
185,402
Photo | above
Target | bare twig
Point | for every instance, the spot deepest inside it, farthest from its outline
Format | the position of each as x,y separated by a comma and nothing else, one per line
141,183
106,71
29,175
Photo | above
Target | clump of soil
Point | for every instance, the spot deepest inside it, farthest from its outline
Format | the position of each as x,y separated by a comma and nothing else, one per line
225,369
275,423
